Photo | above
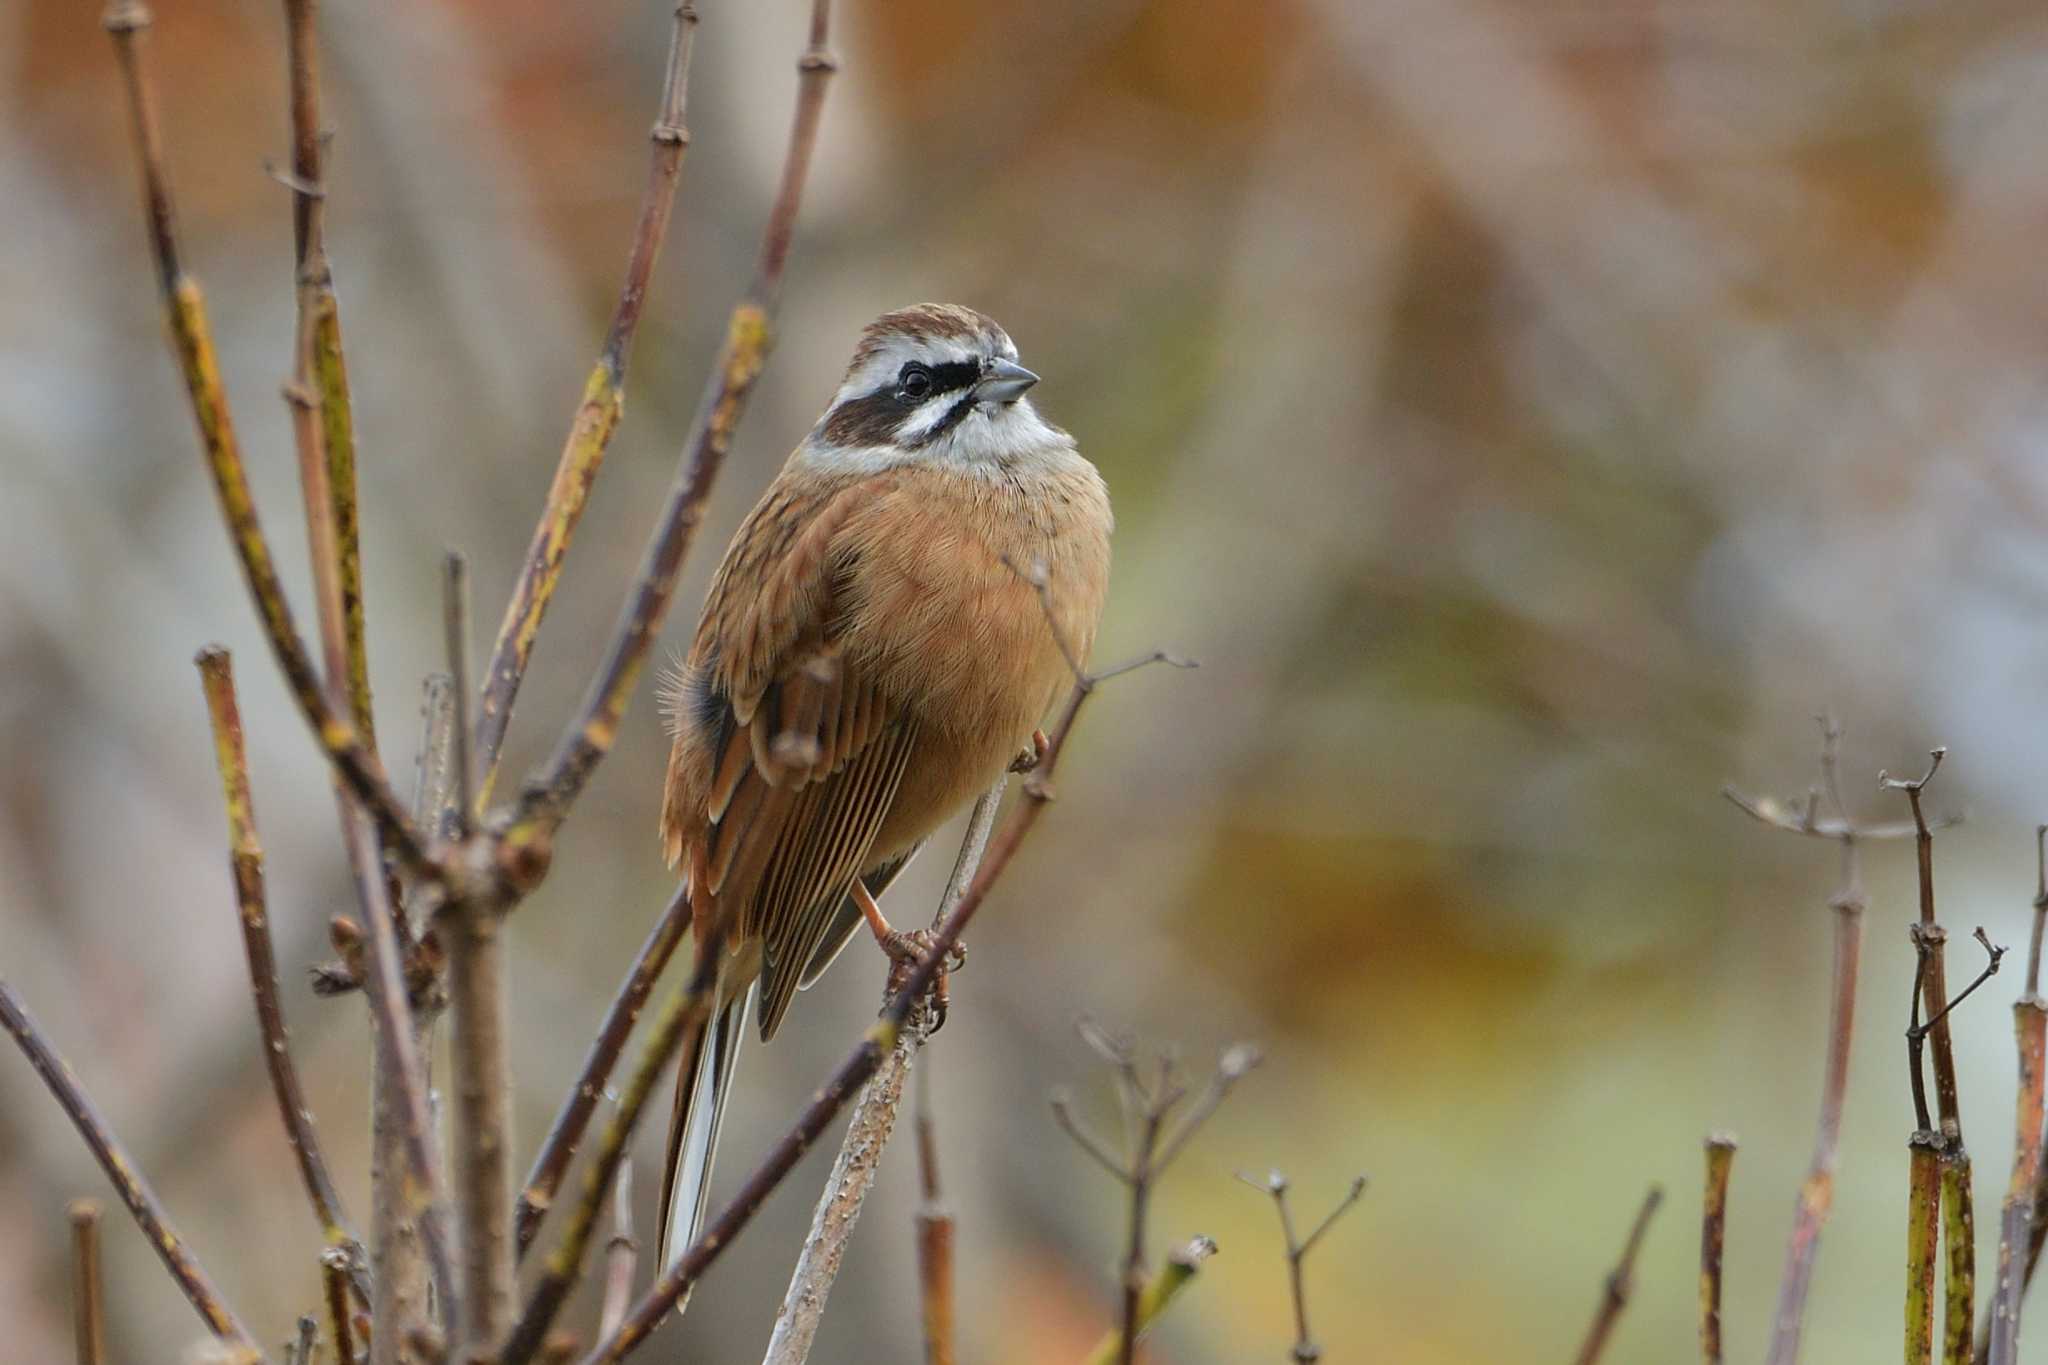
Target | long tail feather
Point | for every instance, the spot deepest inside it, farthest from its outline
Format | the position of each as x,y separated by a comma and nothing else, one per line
703,1085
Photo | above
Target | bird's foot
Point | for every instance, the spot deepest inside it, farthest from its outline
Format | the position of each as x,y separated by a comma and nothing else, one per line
907,951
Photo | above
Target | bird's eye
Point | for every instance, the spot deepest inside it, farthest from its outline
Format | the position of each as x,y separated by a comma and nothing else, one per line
915,382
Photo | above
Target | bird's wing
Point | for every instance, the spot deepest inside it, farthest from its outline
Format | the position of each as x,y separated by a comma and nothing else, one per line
798,757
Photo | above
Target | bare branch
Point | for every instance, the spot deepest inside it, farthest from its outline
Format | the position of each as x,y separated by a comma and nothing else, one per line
334,1281
597,414
245,856
1305,1350
1720,1149
121,1169
88,1293
1620,1282
934,1218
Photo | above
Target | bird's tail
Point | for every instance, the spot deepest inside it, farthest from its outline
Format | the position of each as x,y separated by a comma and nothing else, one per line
702,1087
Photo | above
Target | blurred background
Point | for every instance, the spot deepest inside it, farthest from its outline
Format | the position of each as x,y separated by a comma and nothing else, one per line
1530,415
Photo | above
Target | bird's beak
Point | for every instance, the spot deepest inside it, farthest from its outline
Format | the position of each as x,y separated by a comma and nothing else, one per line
1004,382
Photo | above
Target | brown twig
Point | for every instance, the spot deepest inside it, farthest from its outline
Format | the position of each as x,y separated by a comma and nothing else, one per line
1720,1149
334,1281
325,375
597,415
546,798
1181,1265
1620,1282
1817,1190
934,1233
622,1253
558,1149
1305,1349
128,21
866,1056
1934,981
2017,1223
245,858
121,1169
88,1292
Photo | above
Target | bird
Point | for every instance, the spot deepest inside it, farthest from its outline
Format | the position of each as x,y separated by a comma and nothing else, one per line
887,629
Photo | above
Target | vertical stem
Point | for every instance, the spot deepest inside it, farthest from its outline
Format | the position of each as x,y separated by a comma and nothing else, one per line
1923,1211
88,1301
480,1050
1134,1248
1959,1233
1817,1191
1713,1230
2018,1229
934,1234
622,1254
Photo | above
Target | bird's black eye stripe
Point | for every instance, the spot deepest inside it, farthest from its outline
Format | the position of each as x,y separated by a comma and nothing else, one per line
917,381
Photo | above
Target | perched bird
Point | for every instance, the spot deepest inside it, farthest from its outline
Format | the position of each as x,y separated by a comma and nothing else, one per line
887,629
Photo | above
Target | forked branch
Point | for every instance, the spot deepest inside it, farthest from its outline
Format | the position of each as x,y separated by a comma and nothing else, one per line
1305,1349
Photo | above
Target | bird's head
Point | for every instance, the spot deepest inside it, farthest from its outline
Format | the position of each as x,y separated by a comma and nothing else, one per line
933,382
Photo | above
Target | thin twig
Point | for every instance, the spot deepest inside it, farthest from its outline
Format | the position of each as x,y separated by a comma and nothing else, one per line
622,1253
88,1293
558,1149
866,1056
1173,1277
934,1219
2016,1224
245,858
121,1169
1934,981
546,799
1304,1351
1620,1282
127,21
1720,1149
1817,1190
334,1280
597,415
320,317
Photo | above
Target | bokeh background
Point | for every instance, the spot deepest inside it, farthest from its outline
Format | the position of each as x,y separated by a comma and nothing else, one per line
1530,414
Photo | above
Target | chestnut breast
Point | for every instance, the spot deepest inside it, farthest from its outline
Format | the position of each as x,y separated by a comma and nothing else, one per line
939,614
